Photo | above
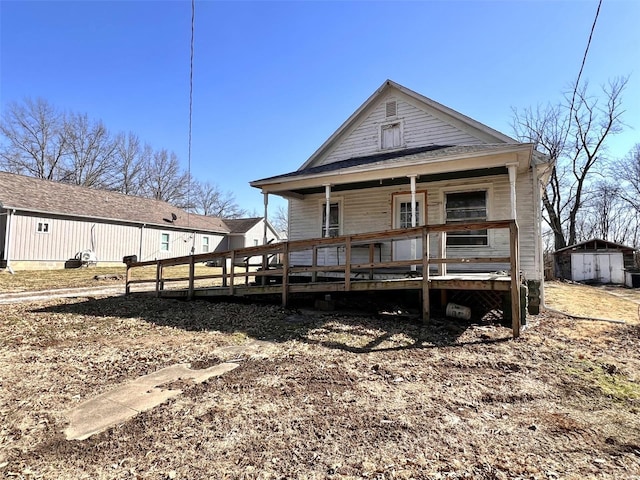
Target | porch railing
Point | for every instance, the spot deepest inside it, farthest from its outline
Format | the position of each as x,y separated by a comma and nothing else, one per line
236,266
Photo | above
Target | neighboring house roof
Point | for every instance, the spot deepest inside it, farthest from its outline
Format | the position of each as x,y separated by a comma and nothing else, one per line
241,225
55,198
448,114
596,244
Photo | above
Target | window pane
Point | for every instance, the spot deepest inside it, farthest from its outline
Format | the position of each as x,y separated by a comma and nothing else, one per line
334,220
467,207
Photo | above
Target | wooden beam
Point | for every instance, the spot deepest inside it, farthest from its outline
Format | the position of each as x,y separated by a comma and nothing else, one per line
158,278
285,277
347,265
515,279
426,307
232,273
192,271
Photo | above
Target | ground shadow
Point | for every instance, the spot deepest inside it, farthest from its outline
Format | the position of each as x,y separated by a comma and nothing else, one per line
360,329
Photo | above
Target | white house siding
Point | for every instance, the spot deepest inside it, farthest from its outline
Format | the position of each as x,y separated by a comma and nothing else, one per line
68,236
419,128
370,210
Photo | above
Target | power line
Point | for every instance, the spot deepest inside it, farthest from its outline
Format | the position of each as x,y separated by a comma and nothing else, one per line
193,15
584,59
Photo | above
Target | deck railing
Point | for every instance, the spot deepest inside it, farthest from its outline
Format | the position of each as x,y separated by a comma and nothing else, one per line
237,268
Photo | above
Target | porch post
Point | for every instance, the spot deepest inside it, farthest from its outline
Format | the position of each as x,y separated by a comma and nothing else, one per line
266,211
512,187
414,222
7,239
327,208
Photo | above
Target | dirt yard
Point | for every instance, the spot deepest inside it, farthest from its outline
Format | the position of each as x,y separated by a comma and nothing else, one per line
337,395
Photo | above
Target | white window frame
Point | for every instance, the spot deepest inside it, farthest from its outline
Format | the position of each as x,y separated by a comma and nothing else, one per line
43,227
163,243
384,125
333,200
205,244
405,197
476,187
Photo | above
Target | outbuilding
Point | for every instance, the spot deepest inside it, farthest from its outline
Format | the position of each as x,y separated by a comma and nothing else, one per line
595,261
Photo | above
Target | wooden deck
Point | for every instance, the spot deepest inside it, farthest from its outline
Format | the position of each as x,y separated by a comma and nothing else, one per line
345,276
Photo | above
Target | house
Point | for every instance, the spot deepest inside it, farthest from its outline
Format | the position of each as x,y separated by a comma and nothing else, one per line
595,260
45,224
248,232
403,160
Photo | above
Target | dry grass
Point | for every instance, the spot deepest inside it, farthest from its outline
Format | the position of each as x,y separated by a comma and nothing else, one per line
335,396
616,303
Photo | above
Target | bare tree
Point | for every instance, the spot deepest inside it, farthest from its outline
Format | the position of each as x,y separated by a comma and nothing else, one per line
280,220
574,135
208,199
164,180
91,152
34,141
628,174
130,159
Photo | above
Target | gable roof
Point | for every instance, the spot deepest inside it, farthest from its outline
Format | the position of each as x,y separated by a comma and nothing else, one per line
448,114
53,198
596,244
241,225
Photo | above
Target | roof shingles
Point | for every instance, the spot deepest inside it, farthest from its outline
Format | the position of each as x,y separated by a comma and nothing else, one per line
54,198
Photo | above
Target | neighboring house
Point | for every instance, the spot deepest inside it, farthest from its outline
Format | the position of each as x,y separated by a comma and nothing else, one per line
595,260
45,224
401,153
247,232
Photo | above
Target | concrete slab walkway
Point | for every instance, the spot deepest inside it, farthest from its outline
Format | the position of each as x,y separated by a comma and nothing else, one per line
126,401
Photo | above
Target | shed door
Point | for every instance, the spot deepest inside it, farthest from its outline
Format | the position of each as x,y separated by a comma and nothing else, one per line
602,267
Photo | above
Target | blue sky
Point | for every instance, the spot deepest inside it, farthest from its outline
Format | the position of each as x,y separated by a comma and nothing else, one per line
273,80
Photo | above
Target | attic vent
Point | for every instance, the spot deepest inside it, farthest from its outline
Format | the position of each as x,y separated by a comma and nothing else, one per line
391,108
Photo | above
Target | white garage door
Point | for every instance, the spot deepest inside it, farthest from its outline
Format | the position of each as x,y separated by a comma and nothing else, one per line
597,267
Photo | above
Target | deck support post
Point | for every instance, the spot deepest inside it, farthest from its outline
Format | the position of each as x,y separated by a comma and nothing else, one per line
127,278
515,279
192,272
224,271
285,274
314,263
232,275
158,278
264,239
426,310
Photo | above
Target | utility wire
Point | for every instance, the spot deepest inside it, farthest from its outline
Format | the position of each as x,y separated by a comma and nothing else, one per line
584,59
193,15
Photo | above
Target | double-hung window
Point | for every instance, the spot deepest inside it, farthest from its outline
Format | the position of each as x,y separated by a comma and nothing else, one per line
334,220
164,242
391,136
466,207
205,244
